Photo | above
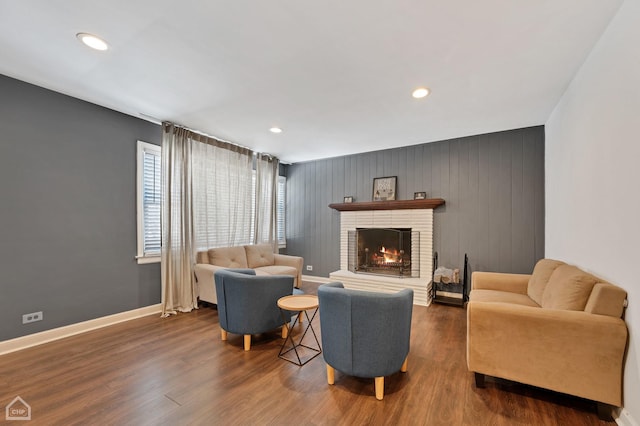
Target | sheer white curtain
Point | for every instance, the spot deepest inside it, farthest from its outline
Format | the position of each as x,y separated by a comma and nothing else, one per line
266,190
207,202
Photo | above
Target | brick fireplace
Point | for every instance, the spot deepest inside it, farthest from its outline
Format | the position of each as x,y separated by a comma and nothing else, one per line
416,215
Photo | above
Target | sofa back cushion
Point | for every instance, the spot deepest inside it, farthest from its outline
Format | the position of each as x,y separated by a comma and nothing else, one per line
606,299
568,288
202,257
228,257
260,255
540,277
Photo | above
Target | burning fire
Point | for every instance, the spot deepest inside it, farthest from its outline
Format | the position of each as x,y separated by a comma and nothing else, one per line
391,255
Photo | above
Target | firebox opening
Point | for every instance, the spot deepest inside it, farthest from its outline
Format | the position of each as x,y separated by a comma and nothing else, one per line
384,251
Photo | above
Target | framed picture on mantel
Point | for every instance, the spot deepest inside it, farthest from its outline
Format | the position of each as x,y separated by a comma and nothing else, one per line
384,188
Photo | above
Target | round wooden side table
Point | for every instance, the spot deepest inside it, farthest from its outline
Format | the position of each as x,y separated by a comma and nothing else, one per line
299,303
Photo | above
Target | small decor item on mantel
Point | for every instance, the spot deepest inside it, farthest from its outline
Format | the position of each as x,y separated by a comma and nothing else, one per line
348,199
384,188
419,195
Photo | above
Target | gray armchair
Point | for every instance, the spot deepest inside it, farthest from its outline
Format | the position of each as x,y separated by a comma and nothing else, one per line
248,304
365,334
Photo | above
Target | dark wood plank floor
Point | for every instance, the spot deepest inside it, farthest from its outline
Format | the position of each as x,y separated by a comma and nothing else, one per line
177,371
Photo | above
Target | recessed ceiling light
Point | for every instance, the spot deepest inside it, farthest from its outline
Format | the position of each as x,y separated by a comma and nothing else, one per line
420,92
275,130
92,41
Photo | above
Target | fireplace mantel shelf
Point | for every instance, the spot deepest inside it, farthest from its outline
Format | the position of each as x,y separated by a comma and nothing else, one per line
429,203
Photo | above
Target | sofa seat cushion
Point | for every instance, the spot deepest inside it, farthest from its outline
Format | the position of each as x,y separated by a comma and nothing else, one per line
228,257
276,270
501,297
540,277
568,288
260,255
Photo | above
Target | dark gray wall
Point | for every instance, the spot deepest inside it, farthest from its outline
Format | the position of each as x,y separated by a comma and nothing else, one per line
68,210
493,186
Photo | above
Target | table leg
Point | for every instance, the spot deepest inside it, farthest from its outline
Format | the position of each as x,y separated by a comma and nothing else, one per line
295,346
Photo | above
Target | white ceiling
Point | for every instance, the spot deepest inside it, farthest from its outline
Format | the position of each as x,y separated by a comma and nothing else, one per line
336,75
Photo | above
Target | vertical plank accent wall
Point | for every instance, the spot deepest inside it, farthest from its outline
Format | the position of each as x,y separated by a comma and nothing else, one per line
493,185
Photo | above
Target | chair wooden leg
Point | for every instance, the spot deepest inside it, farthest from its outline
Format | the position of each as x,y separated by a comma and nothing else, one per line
404,365
223,334
379,388
285,331
247,342
331,374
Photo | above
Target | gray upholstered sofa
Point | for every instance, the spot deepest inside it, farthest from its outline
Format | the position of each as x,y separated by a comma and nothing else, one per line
260,258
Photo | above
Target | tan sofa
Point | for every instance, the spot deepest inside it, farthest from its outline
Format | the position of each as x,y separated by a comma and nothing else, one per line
559,328
259,257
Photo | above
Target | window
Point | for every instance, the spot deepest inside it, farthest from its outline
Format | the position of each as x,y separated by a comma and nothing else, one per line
212,229
280,211
149,202
221,196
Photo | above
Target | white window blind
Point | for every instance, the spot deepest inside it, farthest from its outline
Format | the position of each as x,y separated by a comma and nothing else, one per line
222,196
280,211
149,202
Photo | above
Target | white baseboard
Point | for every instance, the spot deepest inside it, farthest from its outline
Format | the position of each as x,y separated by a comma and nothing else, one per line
314,279
46,336
623,417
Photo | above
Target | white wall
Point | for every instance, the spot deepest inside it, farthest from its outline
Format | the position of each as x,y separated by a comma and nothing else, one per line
592,169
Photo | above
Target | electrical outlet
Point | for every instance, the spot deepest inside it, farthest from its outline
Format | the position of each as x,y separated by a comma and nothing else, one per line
309,268
32,317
